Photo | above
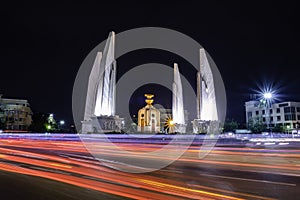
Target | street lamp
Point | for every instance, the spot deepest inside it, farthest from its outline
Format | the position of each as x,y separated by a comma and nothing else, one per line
268,97
288,128
61,123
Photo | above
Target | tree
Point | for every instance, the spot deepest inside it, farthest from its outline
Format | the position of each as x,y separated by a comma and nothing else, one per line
2,119
41,123
130,125
256,125
278,129
2,123
230,126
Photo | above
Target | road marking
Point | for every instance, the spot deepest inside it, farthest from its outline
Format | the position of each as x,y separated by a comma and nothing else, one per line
246,179
283,143
269,143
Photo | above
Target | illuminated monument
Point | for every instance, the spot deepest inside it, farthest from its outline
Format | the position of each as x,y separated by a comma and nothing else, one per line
149,117
99,114
207,114
177,103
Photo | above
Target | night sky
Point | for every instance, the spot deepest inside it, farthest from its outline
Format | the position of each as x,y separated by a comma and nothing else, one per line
44,44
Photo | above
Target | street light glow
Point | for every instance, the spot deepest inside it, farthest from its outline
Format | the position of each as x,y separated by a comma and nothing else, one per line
62,122
268,95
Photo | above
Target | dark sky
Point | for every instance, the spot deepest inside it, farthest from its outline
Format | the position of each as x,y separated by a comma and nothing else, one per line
43,44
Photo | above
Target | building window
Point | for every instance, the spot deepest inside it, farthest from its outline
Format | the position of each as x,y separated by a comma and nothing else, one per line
264,119
263,112
142,115
287,109
271,119
249,115
293,109
257,112
298,117
278,110
288,117
153,115
298,109
278,118
271,111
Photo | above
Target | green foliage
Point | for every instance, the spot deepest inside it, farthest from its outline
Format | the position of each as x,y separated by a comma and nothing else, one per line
39,121
2,119
42,122
2,124
256,125
130,125
230,125
278,129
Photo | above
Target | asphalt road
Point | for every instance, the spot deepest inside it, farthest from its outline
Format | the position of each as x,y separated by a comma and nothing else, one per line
63,169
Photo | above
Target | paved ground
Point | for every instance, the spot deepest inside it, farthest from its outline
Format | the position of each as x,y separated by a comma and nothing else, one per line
61,168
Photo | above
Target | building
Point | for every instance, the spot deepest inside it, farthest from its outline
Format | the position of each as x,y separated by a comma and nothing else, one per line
15,114
149,117
285,114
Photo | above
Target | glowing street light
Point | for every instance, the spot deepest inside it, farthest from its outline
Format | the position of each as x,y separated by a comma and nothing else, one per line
62,122
268,95
267,98
170,124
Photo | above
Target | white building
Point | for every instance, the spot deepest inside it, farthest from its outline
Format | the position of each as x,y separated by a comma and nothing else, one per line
15,113
286,114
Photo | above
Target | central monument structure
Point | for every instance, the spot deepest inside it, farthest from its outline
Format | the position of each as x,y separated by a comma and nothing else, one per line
149,117
100,108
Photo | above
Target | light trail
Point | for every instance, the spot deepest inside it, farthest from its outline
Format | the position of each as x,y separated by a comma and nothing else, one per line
69,162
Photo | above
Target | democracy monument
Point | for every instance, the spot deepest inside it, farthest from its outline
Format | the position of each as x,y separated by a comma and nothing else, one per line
100,109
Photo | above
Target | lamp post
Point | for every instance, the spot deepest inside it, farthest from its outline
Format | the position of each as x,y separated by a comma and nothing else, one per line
288,128
267,96
61,123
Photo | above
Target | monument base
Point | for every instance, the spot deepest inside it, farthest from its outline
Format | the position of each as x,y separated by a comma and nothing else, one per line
178,128
148,129
205,126
87,126
103,124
